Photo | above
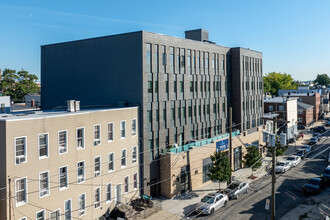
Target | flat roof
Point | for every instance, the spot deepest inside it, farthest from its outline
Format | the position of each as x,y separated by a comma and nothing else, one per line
278,99
31,115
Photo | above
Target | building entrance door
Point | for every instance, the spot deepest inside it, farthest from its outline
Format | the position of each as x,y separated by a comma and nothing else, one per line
185,178
118,193
237,158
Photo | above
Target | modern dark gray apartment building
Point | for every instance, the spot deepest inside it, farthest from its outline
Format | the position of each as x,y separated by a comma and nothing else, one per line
183,86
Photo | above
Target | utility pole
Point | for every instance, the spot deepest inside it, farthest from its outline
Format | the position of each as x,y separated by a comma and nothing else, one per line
273,172
9,179
230,137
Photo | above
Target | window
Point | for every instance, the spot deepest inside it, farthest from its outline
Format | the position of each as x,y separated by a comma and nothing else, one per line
43,145
40,215
97,134
82,204
126,184
97,166
133,127
20,150
63,177
300,119
20,191
270,108
110,132
67,210
150,87
97,198
300,112
123,158
80,171
111,165
80,138
280,108
149,116
55,215
134,154
148,57
135,182
62,142
43,184
108,192
123,129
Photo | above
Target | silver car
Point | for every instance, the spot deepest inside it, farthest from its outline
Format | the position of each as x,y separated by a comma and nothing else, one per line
295,160
282,166
211,202
235,189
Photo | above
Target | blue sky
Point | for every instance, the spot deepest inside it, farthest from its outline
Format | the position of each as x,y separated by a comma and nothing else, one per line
292,34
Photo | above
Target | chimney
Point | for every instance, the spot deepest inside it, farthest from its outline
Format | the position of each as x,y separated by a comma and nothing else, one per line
198,35
70,105
77,106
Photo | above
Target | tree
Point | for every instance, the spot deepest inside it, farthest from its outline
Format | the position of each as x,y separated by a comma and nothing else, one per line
275,81
17,85
322,79
220,169
251,157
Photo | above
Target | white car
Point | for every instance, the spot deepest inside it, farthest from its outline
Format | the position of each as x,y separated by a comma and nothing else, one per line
295,160
235,189
211,202
282,166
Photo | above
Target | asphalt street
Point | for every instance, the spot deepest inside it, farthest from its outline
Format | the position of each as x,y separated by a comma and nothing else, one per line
289,192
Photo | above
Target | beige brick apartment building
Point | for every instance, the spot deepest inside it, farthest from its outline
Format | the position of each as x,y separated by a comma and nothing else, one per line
67,165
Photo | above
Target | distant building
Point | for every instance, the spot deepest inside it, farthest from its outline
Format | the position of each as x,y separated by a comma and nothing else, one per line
32,99
5,104
305,113
71,164
287,110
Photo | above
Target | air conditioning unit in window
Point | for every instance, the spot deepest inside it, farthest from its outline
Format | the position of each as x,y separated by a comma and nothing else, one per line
97,142
80,179
20,159
43,192
97,173
62,149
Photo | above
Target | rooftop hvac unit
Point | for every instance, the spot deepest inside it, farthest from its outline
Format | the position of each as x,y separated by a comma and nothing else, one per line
70,105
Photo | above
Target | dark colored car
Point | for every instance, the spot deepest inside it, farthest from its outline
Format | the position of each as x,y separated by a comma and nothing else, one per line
301,154
320,129
314,185
326,174
301,127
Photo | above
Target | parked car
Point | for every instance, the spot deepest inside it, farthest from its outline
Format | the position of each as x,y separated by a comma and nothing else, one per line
301,127
316,134
314,185
291,140
295,160
235,189
313,140
308,148
282,166
301,153
329,157
328,123
211,202
326,174
320,129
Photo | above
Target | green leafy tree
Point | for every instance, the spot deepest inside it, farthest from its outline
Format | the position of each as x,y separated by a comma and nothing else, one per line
322,79
275,81
17,85
251,157
220,169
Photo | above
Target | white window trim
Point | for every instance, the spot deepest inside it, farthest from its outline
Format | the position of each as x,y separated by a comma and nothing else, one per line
137,181
80,148
100,201
54,211
58,141
67,178
94,135
17,204
25,149
108,201
84,172
79,204
42,210
43,157
100,174
70,207
124,129
133,135
133,163
110,171
127,185
121,153
47,171
113,132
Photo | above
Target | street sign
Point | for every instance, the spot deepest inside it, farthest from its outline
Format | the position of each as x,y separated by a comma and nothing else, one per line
222,145
267,204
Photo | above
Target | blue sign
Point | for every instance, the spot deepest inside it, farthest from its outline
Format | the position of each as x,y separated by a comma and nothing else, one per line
222,145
